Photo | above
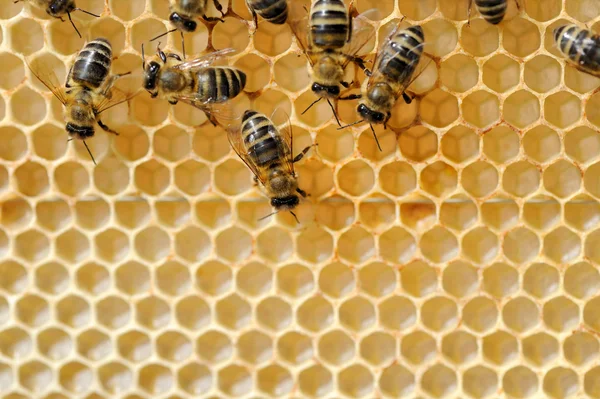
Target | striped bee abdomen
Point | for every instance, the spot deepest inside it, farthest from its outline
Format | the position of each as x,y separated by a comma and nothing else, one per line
580,46
401,55
192,7
492,11
329,24
219,84
262,139
92,64
274,11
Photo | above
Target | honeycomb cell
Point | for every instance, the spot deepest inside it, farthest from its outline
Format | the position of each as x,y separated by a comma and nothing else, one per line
562,245
214,347
541,144
541,213
275,380
111,176
255,347
356,245
480,382
72,246
581,280
480,179
115,377
171,143
336,347
73,311
94,345
459,347
439,314
135,346
113,312
561,314
438,179
274,245
459,73
439,108
562,109
521,37
132,143
152,312
234,244
479,38
314,177
418,144
561,382
15,343
521,178
500,214
419,279
439,381
520,314
315,381
540,349
155,379
541,280
13,277
542,73
418,213
418,347
132,278
521,109
173,346
16,213
255,279
191,243
397,178
112,245
520,382
480,314
357,314
439,245
580,348
590,382
416,10
52,278
233,312
75,377
231,177
152,177
35,376
31,179
501,144
501,73
396,381
213,212
213,277
356,381
463,272
32,246
53,343
274,313
26,37
315,314
15,145
582,144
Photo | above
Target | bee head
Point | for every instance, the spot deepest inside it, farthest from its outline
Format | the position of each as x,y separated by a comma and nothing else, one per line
285,203
369,115
151,77
325,91
182,23
60,7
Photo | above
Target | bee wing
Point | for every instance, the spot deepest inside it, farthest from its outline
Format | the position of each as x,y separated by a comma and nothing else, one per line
205,60
298,21
288,146
234,135
114,97
46,75
223,113
362,33
383,44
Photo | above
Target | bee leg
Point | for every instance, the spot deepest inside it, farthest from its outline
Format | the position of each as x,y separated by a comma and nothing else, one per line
106,128
469,13
302,192
219,8
211,118
407,98
351,97
359,62
212,19
301,155
254,16
255,181
518,5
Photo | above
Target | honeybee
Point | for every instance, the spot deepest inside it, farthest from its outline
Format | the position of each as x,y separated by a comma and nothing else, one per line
194,82
493,11
580,47
58,8
88,90
394,68
332,41
184,13
274,11
268,153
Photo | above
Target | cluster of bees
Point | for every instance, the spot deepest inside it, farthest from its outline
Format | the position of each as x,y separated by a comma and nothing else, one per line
330,36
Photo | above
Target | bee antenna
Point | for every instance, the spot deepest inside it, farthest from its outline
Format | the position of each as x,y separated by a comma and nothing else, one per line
182,45
374,135
163,34
269,215
295,217
73,23
143,58
86,12
351,124
89,152
313,103
334,113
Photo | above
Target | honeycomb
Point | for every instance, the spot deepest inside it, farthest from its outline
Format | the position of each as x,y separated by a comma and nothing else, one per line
461,261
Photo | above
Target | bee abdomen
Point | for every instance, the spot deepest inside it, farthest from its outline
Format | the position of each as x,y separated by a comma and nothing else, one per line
580,46
92,64
261,139
274,11
492,11
192,7
329,24
402,56
220,84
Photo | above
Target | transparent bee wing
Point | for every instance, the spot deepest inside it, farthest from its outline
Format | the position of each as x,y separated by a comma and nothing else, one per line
298,21
205,60
287,140
113,98
363,34
46,75
234,135
222,114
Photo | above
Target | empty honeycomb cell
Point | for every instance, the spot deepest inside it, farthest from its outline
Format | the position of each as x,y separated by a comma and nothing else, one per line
191,243
541,213
131,143
419,279
113,312
439,108
356,245
315,177
295,348
460,144
93,278
173,346
480,179
463,272
579,81
214,347
26,36
356,381
501,144
582,144
15,144
500,214
231,177
413,10
590,382
16,213
315,381
152,177
336,348
92,214
418,347
73,311
35,376
213,277
233,312
418,144
336,280
335,145
210,144
254,347
439,314
479,38
274,313
315,245
541,280
32,246
540,349
75,377
213,212
234,244
111,176
439,245
135,346
357,314
460,347
275,380
397,245
152,312
581,280
13,277
520,37
521,109
439,179
377,279
459,73
274,245
148,111
480,314
54,343
155,379
378,348
153,244
562,245
234,380
458,213
580,348
377,211
115,377
52,278
132,278
521,245
35,110
15,343
591,316
520,382
439,381
253,212
171,143
521,178
397,313
582,11
501,73
418,213
562,109
173,278
72,246
520,314
396,381
335,212
315,314
481,108
480,382
256,279
397,178
542,144
94,344
561,314
542,73
561,382
591,109
31,179
112,30
112,245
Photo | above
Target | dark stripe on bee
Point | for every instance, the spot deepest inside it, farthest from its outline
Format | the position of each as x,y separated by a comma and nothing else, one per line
274,11
329,24
191,7
92,64
81,131
492,11
401,56
261,139
219,84
580,46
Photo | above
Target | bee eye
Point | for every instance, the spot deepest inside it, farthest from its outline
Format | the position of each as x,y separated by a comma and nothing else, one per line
190,25
316,87
333,90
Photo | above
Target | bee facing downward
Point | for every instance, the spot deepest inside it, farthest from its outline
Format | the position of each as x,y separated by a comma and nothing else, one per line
194,82
267,151
58,8
273,11
330,44
580,46
88,90
394,67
